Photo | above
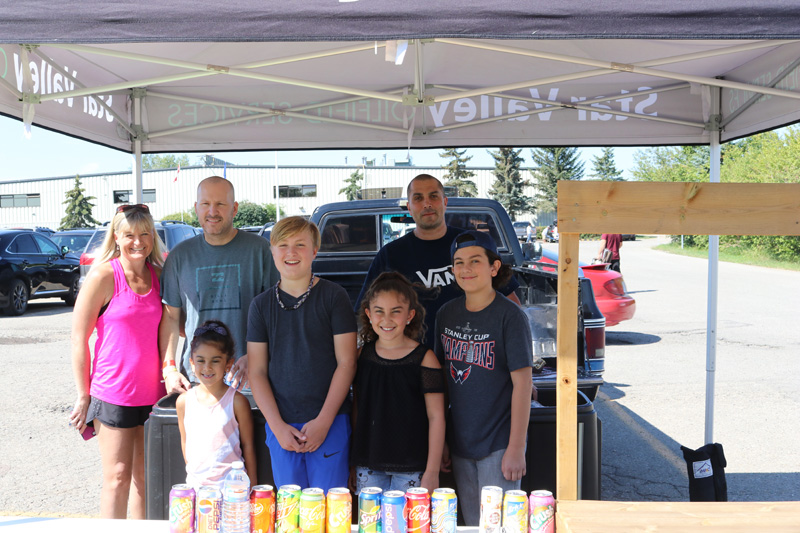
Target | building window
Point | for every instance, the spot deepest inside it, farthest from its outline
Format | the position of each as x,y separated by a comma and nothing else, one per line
297,191
20,200
125,197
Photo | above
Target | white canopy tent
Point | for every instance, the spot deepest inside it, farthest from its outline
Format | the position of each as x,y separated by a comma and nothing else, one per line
173,76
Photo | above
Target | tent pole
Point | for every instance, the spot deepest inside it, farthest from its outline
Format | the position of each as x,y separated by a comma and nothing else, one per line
713,272
138,94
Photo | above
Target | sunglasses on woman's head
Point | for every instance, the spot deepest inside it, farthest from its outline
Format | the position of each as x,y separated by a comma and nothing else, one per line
128,207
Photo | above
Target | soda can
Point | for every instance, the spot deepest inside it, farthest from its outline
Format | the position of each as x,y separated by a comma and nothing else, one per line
418,510
444,510
287,509
262,509
491,509
181,509
369,510
393,506
515,512
312,511
339,510
209,509
542,508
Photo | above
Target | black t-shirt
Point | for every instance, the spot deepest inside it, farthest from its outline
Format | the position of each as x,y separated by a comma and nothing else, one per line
427,262
302,358
391,432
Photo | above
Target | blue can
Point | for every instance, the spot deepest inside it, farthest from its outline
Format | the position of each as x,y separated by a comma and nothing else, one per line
369,510
392,506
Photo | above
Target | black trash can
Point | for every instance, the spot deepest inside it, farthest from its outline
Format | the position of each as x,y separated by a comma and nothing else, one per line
163,458
540,457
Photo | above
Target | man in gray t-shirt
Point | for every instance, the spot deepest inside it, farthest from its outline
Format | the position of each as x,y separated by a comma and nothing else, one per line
212,276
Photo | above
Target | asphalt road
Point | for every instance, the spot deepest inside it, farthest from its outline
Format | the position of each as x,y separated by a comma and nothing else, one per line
652,403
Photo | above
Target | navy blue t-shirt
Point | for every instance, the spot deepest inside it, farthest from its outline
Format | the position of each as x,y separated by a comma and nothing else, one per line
427,262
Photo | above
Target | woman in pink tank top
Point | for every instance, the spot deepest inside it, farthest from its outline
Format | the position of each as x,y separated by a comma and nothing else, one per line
118,387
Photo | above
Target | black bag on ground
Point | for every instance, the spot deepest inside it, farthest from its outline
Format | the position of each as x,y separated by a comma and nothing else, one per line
706,469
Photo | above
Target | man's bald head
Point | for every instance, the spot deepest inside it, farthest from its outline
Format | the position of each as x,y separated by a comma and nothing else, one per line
423,177
216,181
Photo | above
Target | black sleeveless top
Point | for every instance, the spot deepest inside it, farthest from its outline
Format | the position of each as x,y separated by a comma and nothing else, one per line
391,430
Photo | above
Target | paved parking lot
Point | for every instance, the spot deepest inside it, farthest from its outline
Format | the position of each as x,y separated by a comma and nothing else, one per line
652,403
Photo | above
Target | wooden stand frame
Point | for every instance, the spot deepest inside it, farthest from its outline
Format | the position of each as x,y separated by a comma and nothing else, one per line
649,208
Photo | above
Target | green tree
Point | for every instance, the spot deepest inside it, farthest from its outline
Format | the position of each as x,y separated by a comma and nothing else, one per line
188,217
672,163
604,167
550,165
353,186
78,213
158,161
458,175
509,187
251,214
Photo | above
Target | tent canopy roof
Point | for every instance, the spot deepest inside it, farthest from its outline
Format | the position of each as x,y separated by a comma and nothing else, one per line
131,21
184,76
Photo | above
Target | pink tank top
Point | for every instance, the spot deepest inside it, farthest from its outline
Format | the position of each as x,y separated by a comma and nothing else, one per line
212,439
127,365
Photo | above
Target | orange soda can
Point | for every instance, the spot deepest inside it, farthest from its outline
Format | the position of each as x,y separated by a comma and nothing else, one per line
262,509
339,510
312,511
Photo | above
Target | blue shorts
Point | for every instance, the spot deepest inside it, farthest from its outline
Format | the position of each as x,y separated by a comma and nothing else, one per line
325,468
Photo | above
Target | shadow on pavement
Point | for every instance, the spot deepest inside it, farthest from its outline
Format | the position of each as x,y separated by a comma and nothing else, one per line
49,307
616,338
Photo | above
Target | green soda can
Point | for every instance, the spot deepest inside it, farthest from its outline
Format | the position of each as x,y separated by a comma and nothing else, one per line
287,509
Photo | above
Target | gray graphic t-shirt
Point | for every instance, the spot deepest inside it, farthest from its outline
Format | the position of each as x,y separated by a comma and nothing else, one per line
217,282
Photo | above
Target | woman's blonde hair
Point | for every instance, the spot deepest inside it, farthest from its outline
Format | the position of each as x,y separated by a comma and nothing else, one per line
135,219
291,226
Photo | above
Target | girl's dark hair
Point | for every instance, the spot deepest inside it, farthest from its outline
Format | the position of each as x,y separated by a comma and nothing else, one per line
216,333
503,274
392,282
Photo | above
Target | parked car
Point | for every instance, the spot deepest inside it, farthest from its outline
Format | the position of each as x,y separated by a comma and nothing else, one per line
521,229
609,288
352,233
33,266
171,232
74,239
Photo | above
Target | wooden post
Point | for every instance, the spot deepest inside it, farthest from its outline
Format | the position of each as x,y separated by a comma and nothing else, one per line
567,370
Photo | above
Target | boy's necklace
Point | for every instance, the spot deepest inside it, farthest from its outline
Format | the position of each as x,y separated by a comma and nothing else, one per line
303,297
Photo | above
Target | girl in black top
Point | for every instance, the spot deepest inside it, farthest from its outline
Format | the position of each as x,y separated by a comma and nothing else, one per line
398,414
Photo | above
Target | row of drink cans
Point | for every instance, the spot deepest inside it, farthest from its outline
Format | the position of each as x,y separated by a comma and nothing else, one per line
414,511
293,510
285,512
514,512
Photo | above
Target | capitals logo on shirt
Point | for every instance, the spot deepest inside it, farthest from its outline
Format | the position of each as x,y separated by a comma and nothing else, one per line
464,344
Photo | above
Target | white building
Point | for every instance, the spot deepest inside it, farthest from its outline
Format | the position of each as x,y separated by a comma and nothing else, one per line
40,202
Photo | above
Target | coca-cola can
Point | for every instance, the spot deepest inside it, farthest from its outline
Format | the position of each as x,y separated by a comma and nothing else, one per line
542,508
312,511
418,510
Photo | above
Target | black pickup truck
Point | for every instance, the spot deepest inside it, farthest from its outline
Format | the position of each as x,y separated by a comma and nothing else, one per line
353,232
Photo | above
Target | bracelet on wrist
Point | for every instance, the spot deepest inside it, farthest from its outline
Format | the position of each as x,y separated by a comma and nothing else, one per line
168,363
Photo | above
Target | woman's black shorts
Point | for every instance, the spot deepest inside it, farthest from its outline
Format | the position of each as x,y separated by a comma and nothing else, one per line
117,416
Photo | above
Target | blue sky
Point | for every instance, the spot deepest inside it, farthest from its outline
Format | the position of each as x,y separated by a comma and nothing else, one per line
48,154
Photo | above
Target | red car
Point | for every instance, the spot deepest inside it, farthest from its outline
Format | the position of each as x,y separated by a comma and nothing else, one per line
609,289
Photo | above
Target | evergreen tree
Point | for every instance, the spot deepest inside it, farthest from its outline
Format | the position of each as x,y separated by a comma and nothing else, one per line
604,166
353,186
79,209
549,166
509,187
457,173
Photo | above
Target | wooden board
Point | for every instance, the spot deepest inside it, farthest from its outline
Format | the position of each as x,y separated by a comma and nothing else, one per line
679,208
677,517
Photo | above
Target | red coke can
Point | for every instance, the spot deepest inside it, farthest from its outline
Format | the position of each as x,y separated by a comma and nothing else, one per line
418,510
